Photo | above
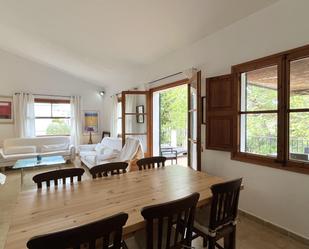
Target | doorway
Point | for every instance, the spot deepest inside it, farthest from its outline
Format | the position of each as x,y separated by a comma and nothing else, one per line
170,124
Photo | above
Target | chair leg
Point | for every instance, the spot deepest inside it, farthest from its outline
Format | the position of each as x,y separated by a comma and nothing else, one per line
233,239
124,245
211,243
230,240
204,242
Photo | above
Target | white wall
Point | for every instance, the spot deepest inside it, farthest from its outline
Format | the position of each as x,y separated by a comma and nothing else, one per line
19,74
275,195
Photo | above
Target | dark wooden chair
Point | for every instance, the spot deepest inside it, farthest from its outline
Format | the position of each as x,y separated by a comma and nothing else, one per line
171,222
108,168
151,162
56,175
106,134
103,234
220,221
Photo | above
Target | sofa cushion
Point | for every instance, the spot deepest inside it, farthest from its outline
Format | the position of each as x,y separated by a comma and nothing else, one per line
54,147
13,150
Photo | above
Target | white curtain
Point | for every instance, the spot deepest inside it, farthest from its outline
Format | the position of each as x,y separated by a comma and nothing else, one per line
114,116
76,121
24,115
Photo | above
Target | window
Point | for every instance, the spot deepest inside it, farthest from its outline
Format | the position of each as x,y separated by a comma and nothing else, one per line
259,111
273,110
52,117
299,109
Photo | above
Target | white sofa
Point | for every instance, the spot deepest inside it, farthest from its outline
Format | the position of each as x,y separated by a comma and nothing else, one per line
110,150
20,148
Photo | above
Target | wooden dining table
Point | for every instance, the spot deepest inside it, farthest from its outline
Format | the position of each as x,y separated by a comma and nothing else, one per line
58,208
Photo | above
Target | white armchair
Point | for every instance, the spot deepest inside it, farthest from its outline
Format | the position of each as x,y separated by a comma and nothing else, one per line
108,149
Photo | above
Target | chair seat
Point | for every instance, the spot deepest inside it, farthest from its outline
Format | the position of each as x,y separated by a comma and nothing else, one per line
201,221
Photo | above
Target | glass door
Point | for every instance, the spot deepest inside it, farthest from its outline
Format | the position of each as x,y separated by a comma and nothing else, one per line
194,121
135,117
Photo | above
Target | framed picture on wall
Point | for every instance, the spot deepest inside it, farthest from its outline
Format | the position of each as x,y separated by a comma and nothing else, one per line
204,110
140,109
6,110
91,122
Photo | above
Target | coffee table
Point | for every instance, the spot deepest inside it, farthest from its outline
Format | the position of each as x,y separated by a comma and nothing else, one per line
2,179
33,162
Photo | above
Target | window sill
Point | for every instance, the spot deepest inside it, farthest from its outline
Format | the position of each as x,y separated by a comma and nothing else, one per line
294,166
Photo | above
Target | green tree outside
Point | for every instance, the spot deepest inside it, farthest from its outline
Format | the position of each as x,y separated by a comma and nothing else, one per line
58,127
174,109
262,128
261,131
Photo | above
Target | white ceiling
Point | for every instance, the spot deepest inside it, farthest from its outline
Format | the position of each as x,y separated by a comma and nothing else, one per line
110,41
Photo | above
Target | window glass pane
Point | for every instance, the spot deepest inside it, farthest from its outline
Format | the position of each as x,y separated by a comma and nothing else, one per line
259,89
48,126
135,100
299,84
299,136
61,110
42,109
193,125
259,134
136,124
193,96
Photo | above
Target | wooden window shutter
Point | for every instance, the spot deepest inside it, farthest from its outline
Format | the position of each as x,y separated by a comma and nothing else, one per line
220,115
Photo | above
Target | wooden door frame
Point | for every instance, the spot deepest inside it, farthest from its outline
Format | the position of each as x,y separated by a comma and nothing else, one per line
148,118
157,89
199,120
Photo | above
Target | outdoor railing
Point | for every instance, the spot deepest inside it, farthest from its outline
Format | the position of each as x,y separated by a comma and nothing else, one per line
268,145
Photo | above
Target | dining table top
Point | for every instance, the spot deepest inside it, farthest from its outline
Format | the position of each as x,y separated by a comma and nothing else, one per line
58,208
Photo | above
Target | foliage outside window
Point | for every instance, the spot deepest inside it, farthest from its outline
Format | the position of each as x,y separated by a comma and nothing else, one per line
52,117
259,107
173,115
273,110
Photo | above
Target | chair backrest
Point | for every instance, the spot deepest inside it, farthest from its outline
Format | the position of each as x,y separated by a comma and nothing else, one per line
171,221
224,205
108,168
106,134
151,162
107,231
55,175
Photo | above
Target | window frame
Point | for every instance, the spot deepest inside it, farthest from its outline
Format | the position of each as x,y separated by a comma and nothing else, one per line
52,101
282,161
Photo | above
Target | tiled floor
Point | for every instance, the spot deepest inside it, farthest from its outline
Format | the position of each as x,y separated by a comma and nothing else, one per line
250,235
